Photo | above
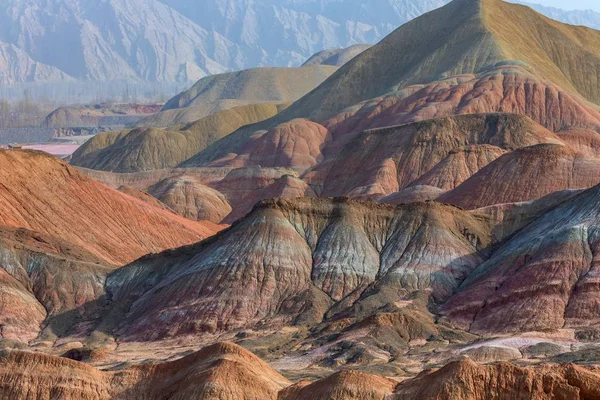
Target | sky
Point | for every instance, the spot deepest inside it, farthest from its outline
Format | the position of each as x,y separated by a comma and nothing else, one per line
571,4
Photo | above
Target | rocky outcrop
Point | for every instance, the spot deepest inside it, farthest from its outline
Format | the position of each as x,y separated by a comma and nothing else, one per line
42,194
222,371
467,380
188,197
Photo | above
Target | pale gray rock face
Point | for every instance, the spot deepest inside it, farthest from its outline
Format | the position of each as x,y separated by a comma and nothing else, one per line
16,66
184,40
574,17
105,40
288,32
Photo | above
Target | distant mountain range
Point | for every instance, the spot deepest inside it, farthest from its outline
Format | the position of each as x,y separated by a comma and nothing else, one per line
184,40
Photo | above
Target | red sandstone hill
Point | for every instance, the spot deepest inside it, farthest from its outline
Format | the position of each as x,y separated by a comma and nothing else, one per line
43,194
222,371
225,371
527,173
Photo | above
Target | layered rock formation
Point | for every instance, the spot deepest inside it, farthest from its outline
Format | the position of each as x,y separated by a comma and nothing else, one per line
525,174
474,36
344,385
542,278
288,256
383,161
472,381
43,194
188,197
44,277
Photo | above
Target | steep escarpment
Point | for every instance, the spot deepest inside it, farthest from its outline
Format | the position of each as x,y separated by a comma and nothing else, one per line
42,194
265,268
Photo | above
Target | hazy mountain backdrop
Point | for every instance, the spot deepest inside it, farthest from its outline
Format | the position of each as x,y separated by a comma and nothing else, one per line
171,41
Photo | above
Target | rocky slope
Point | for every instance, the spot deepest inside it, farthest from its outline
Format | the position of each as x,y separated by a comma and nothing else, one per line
222,371
143,149
16,66
336,57
507,89
383,161
226,371
43,278
253,86
134,42
473,381
473,36
289,259
543,278
526,174
115,40
43,194
189,197
99,115
286,33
